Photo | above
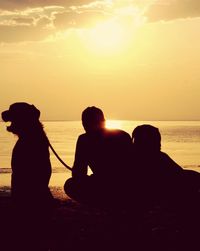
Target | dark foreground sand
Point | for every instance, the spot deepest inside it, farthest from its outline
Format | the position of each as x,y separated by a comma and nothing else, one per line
72,226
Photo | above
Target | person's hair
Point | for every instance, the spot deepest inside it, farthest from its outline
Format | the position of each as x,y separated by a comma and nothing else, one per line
92,117
147,137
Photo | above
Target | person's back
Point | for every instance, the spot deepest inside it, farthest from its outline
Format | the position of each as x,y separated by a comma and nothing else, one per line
105,151
167,185
158,173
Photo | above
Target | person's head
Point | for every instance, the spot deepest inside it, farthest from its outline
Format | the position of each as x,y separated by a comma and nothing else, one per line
23,118
93,119
147,138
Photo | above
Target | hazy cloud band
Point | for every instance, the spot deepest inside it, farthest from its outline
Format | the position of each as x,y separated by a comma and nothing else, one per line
35,20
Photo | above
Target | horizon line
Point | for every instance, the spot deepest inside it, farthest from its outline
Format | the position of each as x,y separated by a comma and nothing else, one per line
71,120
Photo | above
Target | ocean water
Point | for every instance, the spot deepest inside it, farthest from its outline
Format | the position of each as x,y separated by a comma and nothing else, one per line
180,140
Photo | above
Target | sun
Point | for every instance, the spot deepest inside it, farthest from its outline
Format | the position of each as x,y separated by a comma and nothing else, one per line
114,33
107,36
113,124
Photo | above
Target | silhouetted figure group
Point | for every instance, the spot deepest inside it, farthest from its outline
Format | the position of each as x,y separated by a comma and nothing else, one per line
133,169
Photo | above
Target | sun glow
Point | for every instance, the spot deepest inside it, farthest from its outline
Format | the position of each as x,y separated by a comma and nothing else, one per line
116,32
109,36
113,124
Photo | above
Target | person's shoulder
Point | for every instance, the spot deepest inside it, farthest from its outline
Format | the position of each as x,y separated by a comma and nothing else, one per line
164,156
121,133
82,137
82,141
118,133
167,159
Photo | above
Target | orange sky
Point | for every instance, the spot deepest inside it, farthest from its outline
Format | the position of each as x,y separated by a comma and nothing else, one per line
135,59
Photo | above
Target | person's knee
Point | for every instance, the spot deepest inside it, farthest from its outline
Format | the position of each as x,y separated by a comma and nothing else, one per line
68,186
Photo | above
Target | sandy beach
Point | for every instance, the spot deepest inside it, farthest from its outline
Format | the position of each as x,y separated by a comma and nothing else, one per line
73,226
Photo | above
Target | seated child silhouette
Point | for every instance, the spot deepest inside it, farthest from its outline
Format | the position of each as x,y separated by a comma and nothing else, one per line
159,175
106,152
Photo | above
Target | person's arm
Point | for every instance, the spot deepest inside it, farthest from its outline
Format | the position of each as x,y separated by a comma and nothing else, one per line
80,162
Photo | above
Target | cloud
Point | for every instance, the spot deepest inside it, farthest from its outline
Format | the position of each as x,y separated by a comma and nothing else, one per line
26,25
33,20
21,33
78,19
17,5
173,9
27,20
23,20
36,23
44,22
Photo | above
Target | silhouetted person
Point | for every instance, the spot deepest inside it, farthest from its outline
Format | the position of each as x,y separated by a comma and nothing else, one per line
159,175
162,174
162,180
31,171
107,153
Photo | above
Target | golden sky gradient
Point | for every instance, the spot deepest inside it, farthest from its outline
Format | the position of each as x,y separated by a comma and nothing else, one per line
136,59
